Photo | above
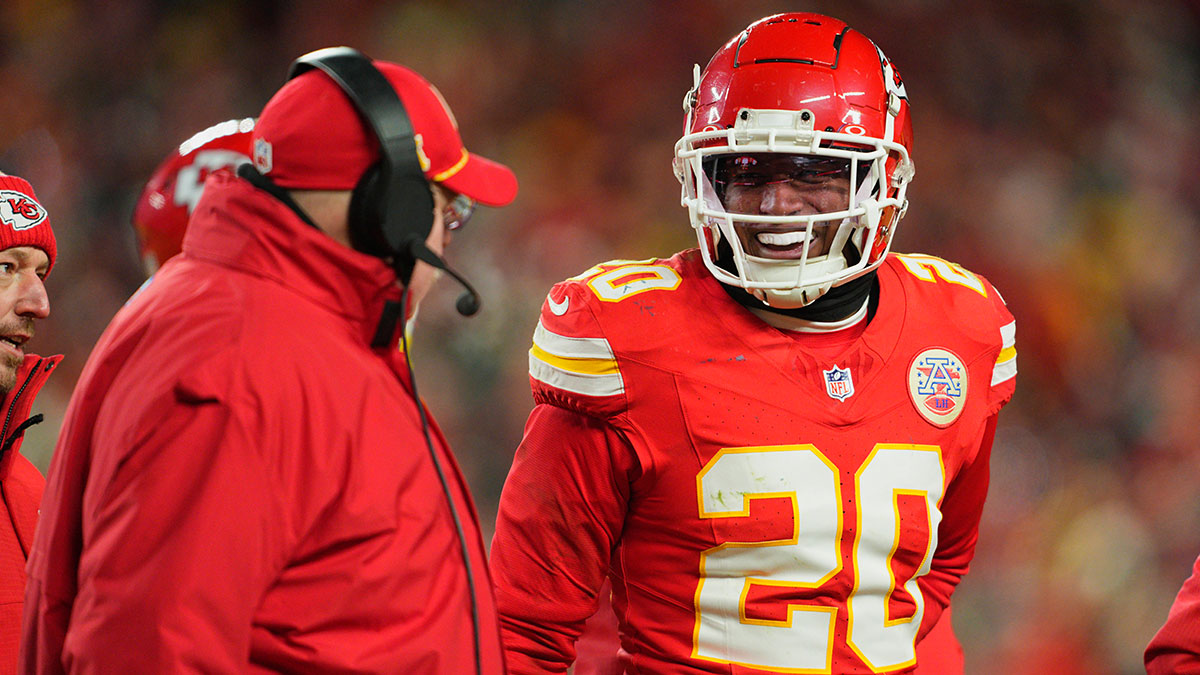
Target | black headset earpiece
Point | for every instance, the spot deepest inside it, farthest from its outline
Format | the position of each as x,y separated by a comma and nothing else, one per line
391,207
366,228
395,206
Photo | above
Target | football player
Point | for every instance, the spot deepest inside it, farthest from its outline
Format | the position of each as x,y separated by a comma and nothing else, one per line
161,214
775,445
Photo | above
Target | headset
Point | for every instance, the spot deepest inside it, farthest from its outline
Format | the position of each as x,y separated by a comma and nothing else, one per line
391,215
391,207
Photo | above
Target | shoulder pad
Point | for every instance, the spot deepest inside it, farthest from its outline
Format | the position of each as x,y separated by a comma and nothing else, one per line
572,362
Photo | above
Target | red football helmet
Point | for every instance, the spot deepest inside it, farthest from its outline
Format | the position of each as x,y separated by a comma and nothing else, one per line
161,214
796,90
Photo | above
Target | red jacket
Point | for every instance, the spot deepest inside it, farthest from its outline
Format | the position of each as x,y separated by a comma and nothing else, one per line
1175,648
242,483
21,488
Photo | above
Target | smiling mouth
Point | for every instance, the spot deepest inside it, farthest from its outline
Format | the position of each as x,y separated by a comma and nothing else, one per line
784,245
784,240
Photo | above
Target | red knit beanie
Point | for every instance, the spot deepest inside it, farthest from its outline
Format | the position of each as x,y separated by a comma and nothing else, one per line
23,220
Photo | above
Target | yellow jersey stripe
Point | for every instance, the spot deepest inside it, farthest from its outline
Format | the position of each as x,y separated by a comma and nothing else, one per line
566,347
1006,354
577,383
582,366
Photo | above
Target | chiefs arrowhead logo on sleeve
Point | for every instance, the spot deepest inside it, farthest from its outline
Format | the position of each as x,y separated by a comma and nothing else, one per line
937,384
20,211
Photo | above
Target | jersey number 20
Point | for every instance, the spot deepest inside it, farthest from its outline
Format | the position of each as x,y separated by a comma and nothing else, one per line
803,641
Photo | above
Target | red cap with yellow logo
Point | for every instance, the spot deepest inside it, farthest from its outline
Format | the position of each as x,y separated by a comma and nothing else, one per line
311,137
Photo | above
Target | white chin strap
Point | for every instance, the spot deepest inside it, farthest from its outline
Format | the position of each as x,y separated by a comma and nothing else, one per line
786,298
780,282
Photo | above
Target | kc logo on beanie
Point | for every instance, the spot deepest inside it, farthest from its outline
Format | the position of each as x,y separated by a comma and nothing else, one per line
23,220
20,211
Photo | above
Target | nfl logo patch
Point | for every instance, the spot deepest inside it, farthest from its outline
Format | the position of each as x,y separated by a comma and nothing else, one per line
838,383
937,384
263,160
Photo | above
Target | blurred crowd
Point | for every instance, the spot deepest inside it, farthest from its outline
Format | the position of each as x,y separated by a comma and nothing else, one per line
1057,152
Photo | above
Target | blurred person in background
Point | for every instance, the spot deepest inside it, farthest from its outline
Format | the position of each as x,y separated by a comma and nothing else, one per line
1175,648
161,214
246,478
775,446
27,253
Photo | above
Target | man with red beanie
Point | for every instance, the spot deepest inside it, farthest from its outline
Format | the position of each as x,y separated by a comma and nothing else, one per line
27,252
246,480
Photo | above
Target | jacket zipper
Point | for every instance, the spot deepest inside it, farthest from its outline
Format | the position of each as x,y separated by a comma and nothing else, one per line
9,413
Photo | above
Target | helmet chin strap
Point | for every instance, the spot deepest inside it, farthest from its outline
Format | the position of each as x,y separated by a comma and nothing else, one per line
835,304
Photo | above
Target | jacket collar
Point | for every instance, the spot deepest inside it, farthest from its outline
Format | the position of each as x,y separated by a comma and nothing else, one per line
32,374
237,225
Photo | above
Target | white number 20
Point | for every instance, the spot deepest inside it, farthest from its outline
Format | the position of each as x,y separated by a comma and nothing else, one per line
803,641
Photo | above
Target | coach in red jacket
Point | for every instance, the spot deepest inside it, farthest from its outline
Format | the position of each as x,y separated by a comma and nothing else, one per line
27,252
245,481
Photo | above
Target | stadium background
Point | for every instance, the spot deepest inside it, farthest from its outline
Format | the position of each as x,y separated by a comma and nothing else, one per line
1057,152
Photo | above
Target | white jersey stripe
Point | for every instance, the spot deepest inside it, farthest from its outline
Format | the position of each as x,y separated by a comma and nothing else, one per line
1006,361
587,384
1004,371
1008,334
571,347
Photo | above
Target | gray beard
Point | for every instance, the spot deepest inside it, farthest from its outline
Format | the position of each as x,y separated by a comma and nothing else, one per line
8,372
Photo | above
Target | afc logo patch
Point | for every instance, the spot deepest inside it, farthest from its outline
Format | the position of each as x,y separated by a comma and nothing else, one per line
937,384
838,383
20,211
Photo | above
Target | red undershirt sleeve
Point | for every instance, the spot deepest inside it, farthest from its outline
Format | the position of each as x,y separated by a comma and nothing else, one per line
560,517
962,509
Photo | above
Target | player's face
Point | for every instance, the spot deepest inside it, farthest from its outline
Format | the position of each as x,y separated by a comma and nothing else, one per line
783,185
23,299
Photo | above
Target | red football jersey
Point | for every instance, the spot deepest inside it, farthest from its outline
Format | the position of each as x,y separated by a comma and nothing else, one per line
597,652
762,501
1175,648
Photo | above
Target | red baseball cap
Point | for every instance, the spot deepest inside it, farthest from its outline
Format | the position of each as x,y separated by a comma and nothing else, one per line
311,137
161,215
23,220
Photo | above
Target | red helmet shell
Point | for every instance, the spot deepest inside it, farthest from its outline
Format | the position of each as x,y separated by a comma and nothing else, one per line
161,215
804,84
802,61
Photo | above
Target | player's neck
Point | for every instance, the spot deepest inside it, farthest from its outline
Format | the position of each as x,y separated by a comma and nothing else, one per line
798,325
841,307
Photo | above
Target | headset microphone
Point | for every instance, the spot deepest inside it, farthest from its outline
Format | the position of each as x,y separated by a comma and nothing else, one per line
467,303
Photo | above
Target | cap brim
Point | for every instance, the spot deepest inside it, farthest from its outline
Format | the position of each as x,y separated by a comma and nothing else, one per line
487,182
